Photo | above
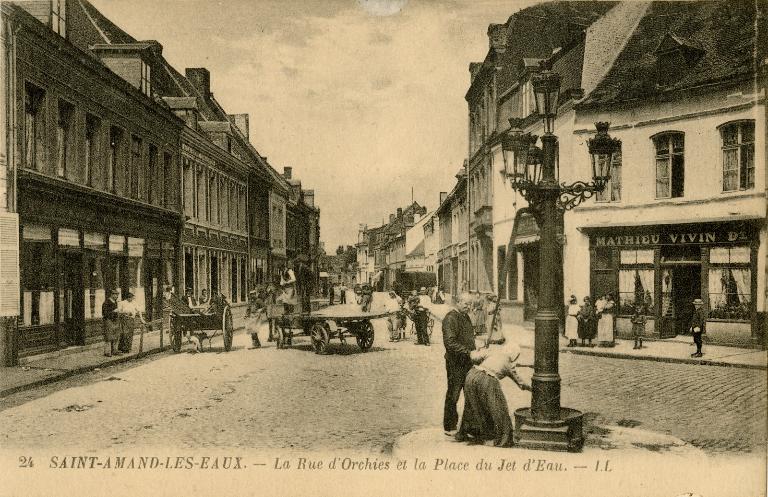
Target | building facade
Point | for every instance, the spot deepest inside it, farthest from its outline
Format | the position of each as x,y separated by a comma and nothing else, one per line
95,164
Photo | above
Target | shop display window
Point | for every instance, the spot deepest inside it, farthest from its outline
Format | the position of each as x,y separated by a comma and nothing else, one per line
38,276
136,270
730,283
636,276
95,248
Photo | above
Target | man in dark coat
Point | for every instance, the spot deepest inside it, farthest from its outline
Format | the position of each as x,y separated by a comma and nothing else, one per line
110,323
698,326
459,341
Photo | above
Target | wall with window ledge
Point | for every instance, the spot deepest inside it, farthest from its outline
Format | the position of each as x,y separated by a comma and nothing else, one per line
698,116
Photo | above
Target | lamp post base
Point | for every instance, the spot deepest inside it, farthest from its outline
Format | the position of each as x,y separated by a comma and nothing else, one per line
563,434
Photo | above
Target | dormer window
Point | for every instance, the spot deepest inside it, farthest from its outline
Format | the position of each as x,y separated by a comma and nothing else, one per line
59,17
673,55
144,84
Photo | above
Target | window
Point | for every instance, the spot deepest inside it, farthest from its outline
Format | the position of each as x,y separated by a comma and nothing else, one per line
189,190
202,198
144,85
636,276
59,17
167,187
63,137
134,170
34,124
91,146
152,177
115,138
738,142
213,191
670,166
730,283
612,192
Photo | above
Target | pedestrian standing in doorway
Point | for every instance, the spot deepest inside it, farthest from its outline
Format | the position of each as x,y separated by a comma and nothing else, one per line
698,326
110,324
587,322
459,341
572,322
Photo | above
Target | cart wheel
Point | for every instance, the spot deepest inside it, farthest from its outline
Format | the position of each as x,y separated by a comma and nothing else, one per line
365,336
227,328
320,338
176,340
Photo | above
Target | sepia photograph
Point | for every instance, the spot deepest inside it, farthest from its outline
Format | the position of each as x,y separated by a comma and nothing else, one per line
383,248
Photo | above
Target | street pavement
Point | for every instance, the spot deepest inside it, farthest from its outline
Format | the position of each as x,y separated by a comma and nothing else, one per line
294,399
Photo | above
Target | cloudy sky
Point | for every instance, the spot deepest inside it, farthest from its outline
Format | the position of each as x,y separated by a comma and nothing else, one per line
363,98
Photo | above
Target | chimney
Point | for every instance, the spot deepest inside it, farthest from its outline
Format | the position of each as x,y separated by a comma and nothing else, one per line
399,212
287,172
443,196
497,38
309,197
242,123
474,69
200,79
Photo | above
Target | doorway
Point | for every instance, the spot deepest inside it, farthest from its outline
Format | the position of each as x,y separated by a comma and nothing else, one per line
72,299
681,284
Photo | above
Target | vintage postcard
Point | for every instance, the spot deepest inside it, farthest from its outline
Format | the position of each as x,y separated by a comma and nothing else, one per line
383,247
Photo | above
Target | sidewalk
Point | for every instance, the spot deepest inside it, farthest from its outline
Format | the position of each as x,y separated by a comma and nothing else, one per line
677,350
61,364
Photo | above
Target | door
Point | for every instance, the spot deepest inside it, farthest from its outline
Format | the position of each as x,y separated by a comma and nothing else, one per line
680,286
152,289
72,299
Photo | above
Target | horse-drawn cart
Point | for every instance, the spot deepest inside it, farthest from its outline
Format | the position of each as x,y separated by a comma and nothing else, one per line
202,325
340,321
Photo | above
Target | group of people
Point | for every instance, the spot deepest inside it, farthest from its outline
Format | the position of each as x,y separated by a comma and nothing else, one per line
588,321
119,319
477,372
415,308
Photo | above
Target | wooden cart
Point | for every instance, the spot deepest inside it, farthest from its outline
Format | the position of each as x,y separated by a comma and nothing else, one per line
202,326
323,325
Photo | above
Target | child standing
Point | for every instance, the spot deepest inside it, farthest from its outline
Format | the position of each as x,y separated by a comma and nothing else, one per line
638,326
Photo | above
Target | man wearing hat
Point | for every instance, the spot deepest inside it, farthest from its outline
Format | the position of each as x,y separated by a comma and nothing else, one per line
698,325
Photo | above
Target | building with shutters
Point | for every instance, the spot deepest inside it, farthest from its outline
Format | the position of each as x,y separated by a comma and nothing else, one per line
94,166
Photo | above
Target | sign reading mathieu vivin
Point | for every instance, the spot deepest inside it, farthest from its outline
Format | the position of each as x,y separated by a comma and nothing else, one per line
694,238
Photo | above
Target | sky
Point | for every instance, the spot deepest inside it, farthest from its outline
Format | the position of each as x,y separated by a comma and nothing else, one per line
363,98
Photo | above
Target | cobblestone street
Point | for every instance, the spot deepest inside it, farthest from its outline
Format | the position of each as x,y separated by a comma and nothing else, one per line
294,399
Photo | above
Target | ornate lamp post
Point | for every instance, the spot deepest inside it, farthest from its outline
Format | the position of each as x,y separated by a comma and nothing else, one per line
547,425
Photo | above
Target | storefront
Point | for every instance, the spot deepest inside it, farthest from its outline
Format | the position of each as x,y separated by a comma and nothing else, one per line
215,262
76,246
663,268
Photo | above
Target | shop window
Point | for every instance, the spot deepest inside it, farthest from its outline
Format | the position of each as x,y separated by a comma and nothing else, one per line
63,137
670,165
38,273
59,17
92,125
95,247
730,283
136,270
636,275
612,191
738,144
34,126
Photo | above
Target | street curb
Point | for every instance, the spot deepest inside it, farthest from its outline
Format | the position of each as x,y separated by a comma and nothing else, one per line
79,370
85,369
700,362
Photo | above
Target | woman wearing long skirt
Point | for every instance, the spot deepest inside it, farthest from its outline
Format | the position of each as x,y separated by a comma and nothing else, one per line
605,325
572,322
486,415
587,322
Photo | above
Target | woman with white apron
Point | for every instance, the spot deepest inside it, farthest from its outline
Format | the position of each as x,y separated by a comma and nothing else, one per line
606,309
572,322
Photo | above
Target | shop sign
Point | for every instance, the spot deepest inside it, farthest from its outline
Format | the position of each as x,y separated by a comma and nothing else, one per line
673,238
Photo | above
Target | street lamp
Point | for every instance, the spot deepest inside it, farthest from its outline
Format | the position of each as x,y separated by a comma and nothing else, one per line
547,425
